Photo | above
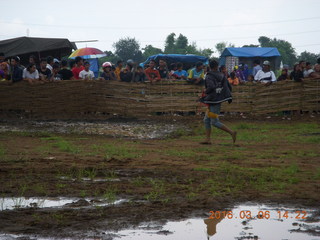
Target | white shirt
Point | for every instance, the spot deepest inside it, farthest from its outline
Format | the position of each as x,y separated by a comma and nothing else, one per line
306,73
49,67
27,74
261,75
86,75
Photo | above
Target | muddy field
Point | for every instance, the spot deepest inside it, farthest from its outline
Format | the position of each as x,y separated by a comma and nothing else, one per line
91,180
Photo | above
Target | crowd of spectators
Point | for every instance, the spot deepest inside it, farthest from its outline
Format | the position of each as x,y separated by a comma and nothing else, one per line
264,74
51,69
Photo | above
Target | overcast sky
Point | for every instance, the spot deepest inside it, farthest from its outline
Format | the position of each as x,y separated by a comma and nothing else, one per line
205,22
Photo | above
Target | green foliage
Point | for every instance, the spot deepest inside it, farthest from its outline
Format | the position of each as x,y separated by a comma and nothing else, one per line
180,45
207,52
287,52
111,57
169,46
128,48
149,50
308,57
222,45
176,45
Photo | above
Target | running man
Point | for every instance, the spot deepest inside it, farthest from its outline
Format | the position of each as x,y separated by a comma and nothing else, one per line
217,90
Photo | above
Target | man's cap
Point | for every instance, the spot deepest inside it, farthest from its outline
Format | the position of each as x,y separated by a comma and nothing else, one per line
266,63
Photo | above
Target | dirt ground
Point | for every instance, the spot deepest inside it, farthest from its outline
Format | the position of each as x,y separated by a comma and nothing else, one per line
273,161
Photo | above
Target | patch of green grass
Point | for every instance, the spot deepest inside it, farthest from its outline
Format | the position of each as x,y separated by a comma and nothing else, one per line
120,151
157,192
308,154
305,128
138,181
317,173
22,189
94,151
299,154
51,138
310,139
192,195
244,126
179,132
58,217
180,153
251,136
44,150
62,144
2,151
232,155
292,169
266,155
90,173
75,172
198,130
83,193
229,177
203,169
110,195
61,185
40,189
66,146
111,174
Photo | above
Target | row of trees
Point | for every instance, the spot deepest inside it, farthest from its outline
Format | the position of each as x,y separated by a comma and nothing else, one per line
129,48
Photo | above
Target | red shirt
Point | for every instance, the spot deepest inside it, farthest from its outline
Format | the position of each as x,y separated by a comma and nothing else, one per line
76,71
152,74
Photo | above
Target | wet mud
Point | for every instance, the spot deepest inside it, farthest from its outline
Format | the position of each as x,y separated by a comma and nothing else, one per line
148,186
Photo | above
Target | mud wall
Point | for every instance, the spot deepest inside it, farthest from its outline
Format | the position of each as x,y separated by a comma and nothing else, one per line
103,99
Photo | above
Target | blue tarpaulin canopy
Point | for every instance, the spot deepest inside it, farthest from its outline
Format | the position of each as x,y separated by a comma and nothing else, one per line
174,58
246,55
251,52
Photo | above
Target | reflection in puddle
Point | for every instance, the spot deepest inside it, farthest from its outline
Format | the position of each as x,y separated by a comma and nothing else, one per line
22,202
28,237
236,227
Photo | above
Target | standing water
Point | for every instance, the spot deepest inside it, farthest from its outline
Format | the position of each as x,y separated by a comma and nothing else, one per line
241,223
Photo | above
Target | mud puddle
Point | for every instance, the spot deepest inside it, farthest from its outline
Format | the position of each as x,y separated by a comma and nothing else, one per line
265,223
22,202
91,179
246,221
134,130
